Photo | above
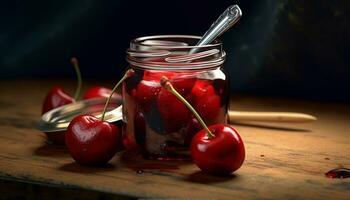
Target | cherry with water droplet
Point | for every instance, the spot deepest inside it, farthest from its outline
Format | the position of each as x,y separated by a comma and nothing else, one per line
93,141
222,153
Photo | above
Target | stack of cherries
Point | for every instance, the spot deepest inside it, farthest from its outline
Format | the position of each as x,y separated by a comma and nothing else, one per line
217,149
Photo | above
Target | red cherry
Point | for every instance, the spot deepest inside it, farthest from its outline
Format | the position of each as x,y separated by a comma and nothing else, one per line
202,87
56,97
183,82
146,94
91,141
205,100
148,89
98,92
208,107
222,154
174,113
217,149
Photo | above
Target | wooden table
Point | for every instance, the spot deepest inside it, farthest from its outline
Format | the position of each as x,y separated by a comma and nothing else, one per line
283,161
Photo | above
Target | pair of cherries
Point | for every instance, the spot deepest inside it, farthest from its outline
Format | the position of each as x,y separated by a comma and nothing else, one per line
57,97
217,149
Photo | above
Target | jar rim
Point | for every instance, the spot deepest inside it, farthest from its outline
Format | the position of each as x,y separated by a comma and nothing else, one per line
138,41
157,53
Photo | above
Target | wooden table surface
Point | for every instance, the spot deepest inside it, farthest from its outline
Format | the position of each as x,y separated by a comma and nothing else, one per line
283,161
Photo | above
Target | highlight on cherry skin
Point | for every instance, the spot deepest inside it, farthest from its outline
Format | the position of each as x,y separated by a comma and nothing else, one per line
217,149
221,154
93,141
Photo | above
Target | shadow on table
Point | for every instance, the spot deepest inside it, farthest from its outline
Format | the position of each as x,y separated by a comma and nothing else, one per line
49,150
201,177
76,168
136,162
271,127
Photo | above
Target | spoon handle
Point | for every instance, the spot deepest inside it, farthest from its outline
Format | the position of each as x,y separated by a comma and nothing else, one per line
226,20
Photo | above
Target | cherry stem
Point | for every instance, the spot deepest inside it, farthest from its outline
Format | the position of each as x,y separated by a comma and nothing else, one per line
75,64
127,74
169,87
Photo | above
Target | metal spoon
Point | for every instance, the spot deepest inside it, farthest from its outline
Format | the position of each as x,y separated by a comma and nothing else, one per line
225,21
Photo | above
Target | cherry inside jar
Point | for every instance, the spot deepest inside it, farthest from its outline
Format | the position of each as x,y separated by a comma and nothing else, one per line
155,121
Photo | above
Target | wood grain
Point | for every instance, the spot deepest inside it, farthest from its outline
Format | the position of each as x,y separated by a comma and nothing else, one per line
284,161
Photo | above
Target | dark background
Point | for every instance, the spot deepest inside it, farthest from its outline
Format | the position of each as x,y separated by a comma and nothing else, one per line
279,48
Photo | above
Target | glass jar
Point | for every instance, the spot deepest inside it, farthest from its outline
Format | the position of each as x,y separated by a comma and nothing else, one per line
155,121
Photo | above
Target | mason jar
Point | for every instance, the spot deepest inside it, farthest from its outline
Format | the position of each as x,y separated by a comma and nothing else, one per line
155,122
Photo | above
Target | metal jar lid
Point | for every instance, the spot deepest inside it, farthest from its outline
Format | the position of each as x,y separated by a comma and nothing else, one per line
59,118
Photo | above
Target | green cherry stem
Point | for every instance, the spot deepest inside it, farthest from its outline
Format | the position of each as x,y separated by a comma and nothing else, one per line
75,64
164,81
127,74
